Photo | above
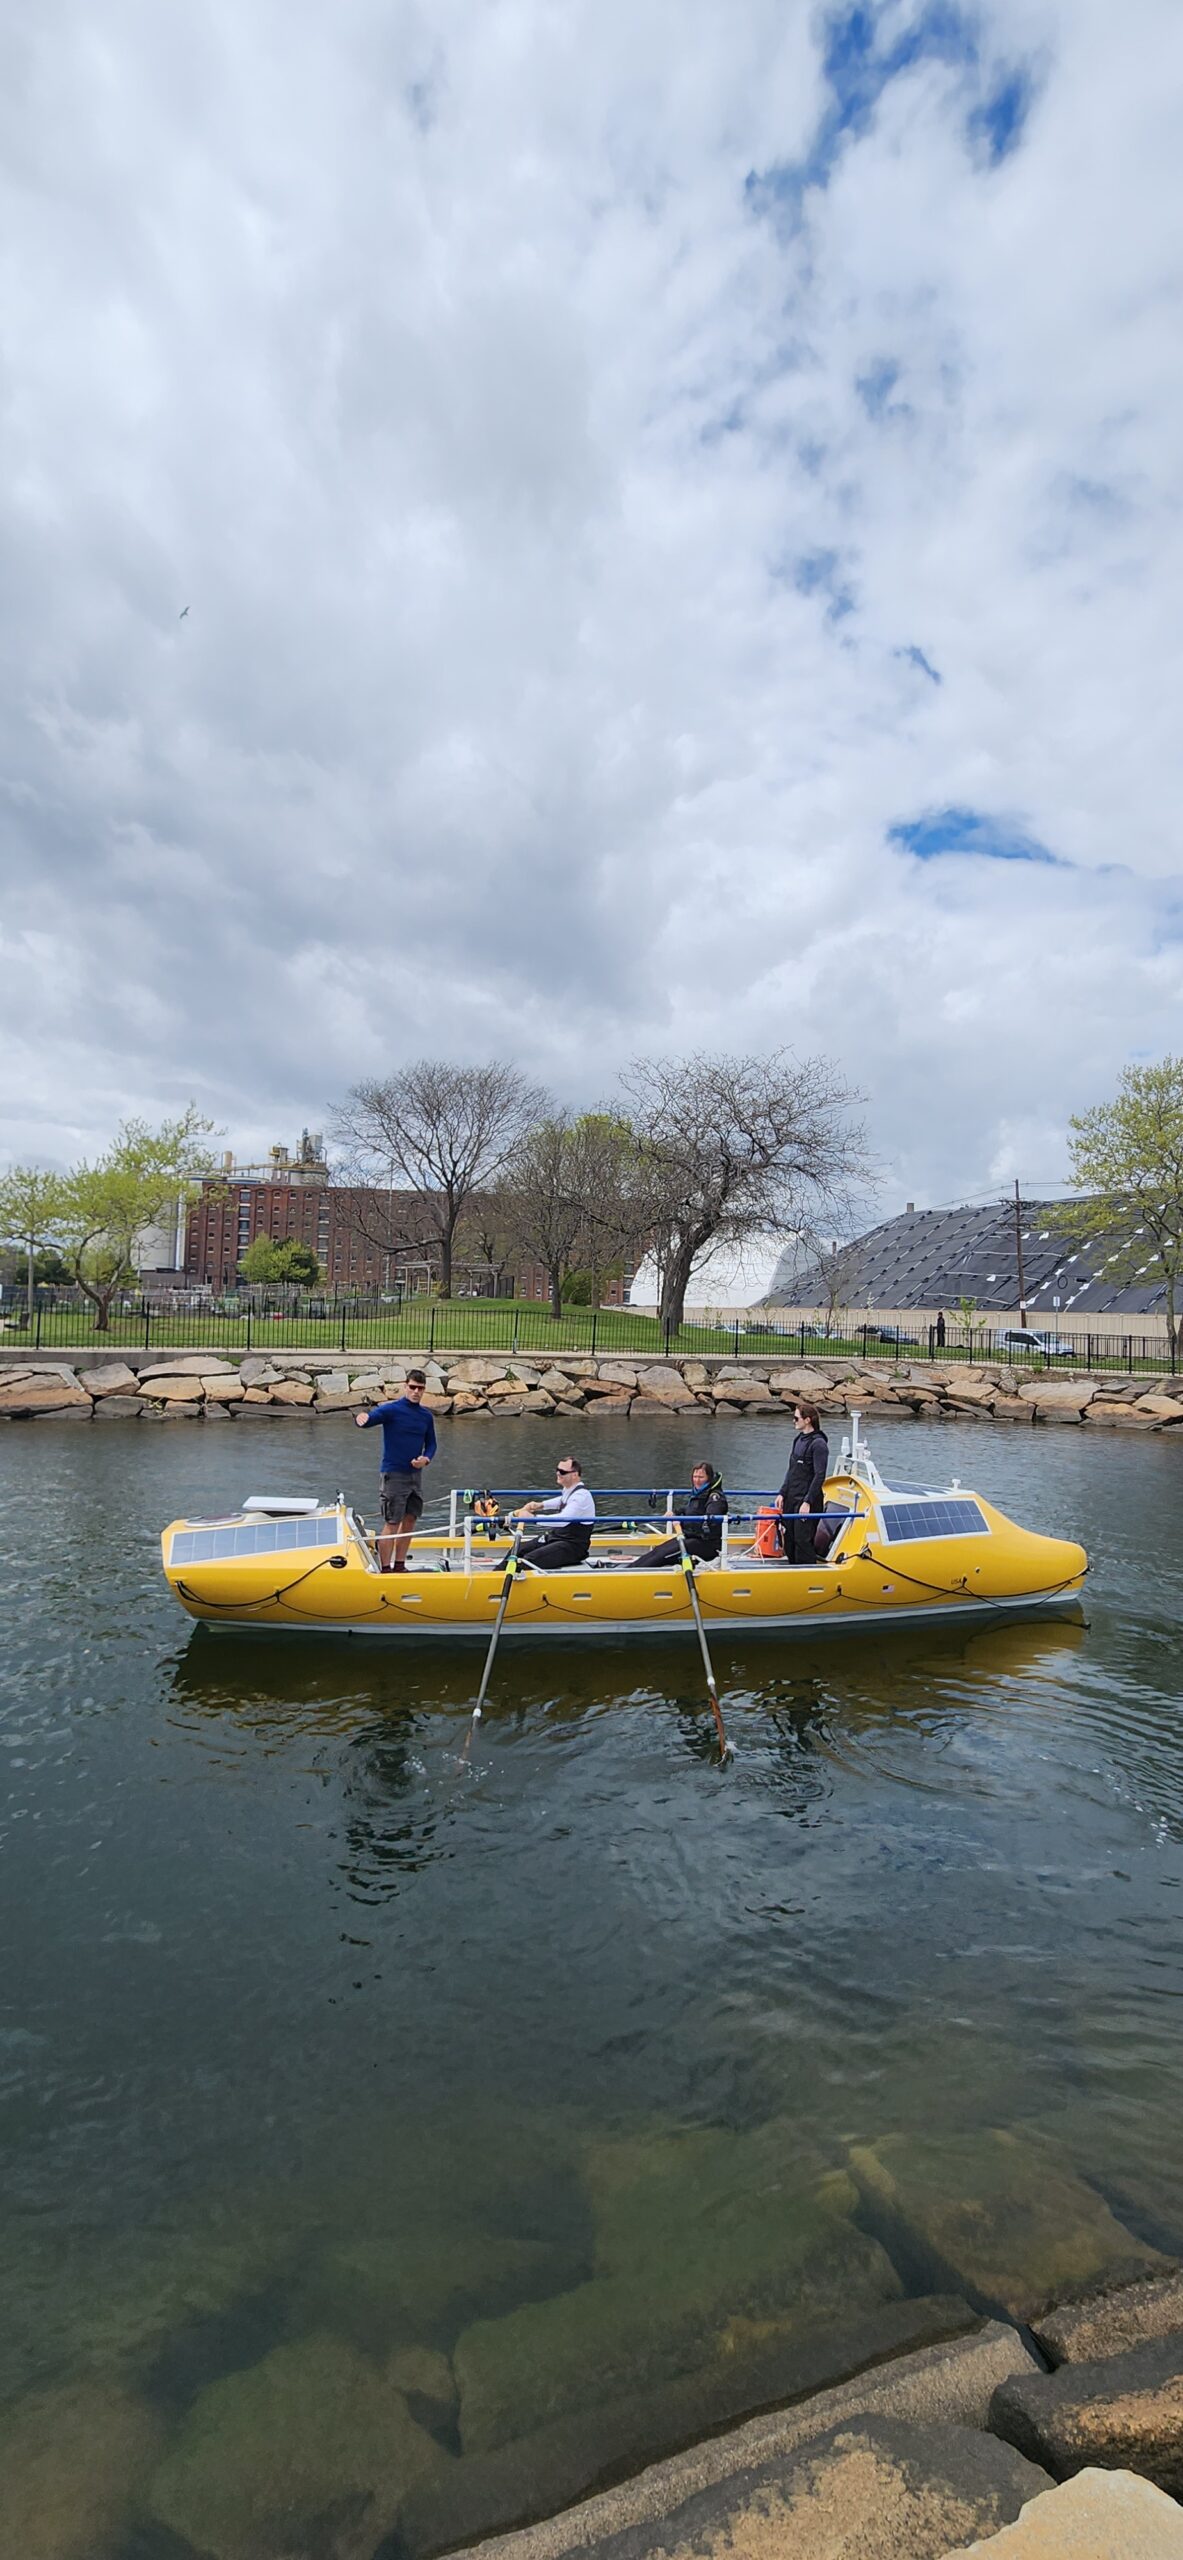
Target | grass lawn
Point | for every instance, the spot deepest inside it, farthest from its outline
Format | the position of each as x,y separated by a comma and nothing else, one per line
453,1326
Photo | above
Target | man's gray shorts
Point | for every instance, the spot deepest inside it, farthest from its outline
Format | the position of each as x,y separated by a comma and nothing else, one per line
400,1495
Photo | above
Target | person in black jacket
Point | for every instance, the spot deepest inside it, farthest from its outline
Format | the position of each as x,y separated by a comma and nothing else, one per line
802,1494
702,1514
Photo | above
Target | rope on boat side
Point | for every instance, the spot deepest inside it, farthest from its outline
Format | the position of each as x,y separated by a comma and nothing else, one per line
264,1599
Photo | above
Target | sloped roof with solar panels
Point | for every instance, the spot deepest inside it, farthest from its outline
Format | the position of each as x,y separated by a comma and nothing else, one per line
933,1257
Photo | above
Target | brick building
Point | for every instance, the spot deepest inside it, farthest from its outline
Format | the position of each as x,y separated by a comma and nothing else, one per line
341,1227
366,1241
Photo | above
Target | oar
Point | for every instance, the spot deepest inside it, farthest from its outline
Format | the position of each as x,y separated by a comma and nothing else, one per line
511,1566
726,1748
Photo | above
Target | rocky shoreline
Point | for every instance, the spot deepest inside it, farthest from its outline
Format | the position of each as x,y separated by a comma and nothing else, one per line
576,1386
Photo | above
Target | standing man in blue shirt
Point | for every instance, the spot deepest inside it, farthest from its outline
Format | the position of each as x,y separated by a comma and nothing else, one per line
408,1445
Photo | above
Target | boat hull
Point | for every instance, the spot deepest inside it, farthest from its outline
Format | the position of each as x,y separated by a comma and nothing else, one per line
768,1600
319,1577
550,1629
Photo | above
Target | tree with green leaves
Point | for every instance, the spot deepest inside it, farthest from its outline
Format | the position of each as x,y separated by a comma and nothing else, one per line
279,1261
1127,1156
30,1208
105,1209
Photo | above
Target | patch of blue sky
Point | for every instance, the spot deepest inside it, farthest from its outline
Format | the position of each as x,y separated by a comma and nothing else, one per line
1092,497
875,388
915,657
994,128
973,833
861,56
820,573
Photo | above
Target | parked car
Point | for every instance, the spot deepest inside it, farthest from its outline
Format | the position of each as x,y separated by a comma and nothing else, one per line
1043,1346
892,1333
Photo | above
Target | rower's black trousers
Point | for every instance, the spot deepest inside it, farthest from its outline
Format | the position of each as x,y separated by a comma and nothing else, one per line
797,1537
559,1547
669,1552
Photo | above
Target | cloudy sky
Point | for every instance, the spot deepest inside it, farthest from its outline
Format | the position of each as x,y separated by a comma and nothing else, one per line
678,506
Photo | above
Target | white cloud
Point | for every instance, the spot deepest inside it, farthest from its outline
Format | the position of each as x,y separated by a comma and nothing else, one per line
547,684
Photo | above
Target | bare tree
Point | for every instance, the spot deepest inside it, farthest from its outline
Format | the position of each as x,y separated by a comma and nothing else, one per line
542,1198
617,1194
486,1237
447,1131
573,1196
735,1147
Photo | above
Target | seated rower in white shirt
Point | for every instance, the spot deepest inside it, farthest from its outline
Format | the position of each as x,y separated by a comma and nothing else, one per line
572,1510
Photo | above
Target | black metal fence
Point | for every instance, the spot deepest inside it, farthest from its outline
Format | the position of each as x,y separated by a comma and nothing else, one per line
282,1321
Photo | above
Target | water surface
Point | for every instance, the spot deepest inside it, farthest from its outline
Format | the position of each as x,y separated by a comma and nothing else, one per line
314,2043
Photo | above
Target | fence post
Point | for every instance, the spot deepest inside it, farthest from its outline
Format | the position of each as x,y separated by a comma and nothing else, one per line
147,1326
342,1328
595,1326
735,1337
249,1313
514,1344
802,1329
37,1345
431,1331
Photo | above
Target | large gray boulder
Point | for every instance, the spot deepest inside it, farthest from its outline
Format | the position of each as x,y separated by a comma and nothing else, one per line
871,2488
1099,2515
22,1395
541,2472
1125,2413
705,2244
999,2216
73,2460
113,1378
1105,2324
312,2450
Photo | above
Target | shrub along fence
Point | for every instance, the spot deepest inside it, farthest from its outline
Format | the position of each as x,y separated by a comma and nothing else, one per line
64,1320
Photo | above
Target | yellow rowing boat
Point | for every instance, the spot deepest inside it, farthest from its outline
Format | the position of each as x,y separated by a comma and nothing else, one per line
900,1553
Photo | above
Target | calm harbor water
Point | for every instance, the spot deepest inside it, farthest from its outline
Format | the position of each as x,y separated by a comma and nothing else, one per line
338,2078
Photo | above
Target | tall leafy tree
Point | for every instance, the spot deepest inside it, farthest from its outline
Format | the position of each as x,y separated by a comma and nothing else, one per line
30,1209
1127,1156
106,1208
735,1147
448,1131
277,1259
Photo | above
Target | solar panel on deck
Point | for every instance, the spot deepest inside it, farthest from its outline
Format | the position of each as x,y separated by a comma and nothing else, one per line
907,1520
252,1538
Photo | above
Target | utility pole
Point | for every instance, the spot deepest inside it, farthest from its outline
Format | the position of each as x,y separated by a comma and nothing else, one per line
1019,1255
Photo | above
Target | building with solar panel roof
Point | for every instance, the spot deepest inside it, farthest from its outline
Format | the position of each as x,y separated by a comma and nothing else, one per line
928,1259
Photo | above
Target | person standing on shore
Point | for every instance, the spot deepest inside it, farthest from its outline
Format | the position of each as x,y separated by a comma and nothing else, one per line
408,1445
803,1492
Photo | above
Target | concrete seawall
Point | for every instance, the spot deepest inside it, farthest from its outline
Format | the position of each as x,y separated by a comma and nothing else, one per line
574,1387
